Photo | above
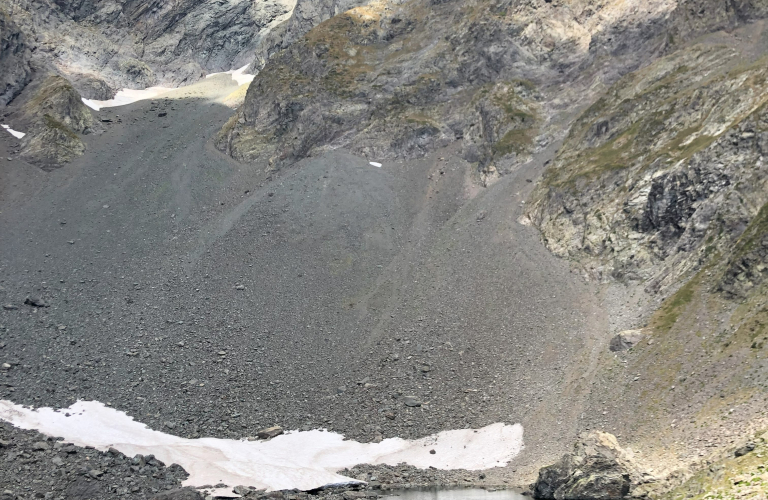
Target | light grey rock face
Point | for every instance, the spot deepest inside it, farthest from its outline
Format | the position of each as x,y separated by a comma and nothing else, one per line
664,172
15,54
306,15
396,79
136,44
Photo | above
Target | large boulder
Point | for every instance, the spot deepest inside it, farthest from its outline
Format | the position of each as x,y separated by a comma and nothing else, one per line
52,117
625,340
597,469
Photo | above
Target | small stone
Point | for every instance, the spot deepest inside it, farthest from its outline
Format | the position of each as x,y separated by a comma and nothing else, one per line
35,301
240,287
162,114
743,450
40,446
270,432
170,425
5,366
432,452
411,401
57,461
95,473
10,307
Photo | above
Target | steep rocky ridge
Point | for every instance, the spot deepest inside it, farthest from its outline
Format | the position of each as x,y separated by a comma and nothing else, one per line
665,170
661,186
402,78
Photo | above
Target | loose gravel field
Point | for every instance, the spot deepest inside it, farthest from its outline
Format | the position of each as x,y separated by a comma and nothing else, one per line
210,298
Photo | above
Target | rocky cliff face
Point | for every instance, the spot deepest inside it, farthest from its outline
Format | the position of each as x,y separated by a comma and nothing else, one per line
15,54
306,15
136,44
663,172
401,78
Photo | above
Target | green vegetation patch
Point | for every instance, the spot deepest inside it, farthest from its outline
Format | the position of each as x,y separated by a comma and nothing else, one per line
515,141
669,312
745,476
54,124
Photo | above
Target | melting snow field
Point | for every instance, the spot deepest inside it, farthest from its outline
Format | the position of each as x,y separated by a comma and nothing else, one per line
14,133
127,96
302,460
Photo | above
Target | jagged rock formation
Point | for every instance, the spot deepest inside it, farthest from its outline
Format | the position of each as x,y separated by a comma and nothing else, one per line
663,172
745,269
53,117
399,79
597,469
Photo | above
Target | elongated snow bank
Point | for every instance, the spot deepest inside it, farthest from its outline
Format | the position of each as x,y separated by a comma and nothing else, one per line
14,133
127,96
302,460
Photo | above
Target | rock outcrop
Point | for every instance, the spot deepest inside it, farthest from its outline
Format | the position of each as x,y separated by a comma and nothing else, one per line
597,469
53,117
662,173
626,340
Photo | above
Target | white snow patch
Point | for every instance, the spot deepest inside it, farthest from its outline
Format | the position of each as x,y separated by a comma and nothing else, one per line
238,75
14,133
302,460
127,96
375,164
